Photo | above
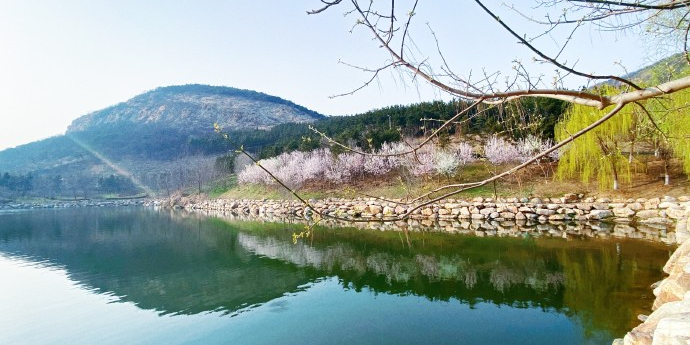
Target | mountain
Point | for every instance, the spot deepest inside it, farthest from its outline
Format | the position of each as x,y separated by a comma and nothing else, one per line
666,69
146,137
195,108
162,124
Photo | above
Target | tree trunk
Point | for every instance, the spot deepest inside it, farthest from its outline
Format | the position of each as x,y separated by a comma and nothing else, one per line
615,176
632,148
667,176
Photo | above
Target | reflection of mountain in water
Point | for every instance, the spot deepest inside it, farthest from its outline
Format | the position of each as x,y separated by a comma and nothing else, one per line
190,265
150,259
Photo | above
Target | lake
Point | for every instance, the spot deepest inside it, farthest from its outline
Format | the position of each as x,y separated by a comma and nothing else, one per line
134,275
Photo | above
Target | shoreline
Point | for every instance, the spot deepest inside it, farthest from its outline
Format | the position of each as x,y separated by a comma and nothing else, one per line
10,206
656,213
669,322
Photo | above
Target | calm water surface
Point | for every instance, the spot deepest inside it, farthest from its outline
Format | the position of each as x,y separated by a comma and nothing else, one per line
141,276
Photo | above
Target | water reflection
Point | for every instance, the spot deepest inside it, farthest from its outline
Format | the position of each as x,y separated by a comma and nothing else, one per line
184,264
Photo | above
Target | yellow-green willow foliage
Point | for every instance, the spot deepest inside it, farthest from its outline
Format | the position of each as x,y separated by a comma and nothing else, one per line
671,115
596,154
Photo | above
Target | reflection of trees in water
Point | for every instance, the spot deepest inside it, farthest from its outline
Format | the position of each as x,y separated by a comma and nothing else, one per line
470,278
588,280
532,274
501,278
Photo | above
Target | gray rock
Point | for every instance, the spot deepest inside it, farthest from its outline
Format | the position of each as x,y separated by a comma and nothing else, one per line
673,330
667,198
667,204
545,212
646,214
635,206
656,220
601,206
675,213
584,207
623,212
600,214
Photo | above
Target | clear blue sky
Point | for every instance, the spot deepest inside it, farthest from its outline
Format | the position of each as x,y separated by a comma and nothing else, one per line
62,59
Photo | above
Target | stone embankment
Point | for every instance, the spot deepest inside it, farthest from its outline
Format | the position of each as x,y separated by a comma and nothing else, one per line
69,204
669,323
666,210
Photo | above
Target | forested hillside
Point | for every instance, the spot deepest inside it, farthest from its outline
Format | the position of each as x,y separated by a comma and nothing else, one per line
163,140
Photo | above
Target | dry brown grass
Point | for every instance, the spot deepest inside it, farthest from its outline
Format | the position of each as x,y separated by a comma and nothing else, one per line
534,181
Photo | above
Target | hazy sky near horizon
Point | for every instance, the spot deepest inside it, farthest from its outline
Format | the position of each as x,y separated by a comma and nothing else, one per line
63,59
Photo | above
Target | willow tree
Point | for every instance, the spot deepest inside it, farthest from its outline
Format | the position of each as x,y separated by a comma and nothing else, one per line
669,118
596,154
662,122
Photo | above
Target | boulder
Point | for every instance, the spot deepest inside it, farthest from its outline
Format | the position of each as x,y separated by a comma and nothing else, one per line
569,198
623,212
668,204
673,330
545,212
584,207
375,209
525,209
487,211
600,214
601,206
553,206
645,214
635,206
667,198
675,212
644,333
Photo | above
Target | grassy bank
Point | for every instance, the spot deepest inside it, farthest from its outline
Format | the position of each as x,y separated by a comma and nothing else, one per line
532,182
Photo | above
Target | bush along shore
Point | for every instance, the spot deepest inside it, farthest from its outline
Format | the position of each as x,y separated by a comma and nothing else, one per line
664,219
